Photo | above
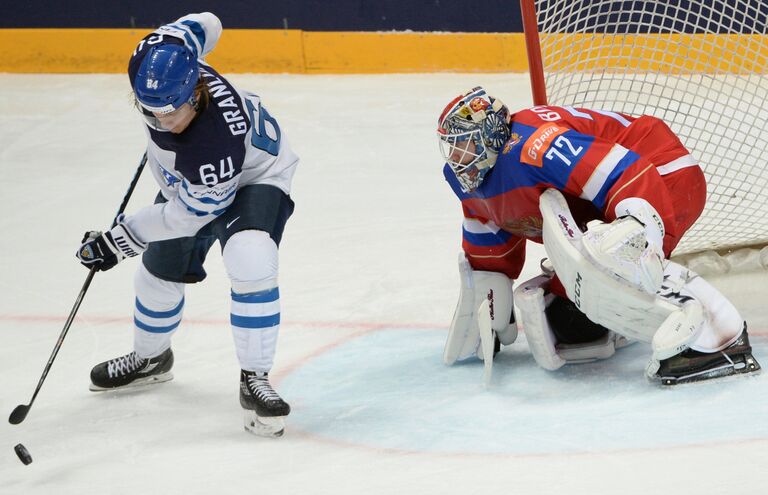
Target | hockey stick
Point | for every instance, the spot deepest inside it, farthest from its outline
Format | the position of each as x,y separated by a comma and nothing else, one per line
21,411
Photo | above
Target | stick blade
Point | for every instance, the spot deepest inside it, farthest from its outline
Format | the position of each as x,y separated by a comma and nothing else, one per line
18,414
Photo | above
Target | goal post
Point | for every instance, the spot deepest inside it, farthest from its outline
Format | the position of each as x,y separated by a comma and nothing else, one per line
700,65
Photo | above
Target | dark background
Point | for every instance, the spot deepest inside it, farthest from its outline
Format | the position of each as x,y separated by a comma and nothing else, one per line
477,16
308,15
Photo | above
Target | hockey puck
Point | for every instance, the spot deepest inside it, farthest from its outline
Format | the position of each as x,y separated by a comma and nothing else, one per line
23,454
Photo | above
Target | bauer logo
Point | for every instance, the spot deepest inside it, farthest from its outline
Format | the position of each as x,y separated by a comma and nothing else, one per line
538,143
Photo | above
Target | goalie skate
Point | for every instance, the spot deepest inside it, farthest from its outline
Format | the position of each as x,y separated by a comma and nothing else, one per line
693,366
265,410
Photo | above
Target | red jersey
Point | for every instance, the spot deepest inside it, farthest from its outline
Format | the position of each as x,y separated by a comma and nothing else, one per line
596,159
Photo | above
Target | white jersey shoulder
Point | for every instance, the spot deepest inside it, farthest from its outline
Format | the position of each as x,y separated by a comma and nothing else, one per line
200,32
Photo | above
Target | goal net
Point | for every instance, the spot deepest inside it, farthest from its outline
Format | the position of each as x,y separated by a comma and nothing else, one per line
700,65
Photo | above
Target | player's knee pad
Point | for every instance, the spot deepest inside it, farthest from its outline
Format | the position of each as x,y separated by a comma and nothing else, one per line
251,260
556,331
476,286
155,293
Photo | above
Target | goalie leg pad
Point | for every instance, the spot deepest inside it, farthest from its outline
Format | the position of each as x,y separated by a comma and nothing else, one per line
548,319
722,324
463,340
532,302
605,299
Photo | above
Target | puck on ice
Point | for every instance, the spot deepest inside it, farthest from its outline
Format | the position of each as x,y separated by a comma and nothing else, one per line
23,454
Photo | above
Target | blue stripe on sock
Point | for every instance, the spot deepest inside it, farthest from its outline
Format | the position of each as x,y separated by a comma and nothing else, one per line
265,296
254,321
151,329
159,314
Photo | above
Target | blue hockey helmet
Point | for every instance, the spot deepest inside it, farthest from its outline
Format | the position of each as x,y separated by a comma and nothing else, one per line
166,78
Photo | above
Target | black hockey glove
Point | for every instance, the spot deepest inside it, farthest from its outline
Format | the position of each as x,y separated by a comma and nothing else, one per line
104,251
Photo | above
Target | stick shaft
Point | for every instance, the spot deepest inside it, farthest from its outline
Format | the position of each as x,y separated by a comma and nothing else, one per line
84,289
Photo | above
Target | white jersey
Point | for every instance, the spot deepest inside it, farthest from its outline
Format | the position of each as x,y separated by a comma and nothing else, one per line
233,142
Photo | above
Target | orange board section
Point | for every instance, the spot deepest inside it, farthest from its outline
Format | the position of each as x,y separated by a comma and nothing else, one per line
271,51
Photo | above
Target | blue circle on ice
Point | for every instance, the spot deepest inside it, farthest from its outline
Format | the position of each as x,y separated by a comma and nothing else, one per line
389,389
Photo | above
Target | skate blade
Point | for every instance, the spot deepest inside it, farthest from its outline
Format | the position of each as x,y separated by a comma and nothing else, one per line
141,382
270,427
748,367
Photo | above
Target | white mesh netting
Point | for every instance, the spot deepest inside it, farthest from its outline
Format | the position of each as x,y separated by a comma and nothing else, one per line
699,65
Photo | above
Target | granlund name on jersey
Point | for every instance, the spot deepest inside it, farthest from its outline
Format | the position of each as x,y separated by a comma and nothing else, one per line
232,143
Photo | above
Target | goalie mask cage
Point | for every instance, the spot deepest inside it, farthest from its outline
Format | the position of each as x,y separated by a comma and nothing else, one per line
699,65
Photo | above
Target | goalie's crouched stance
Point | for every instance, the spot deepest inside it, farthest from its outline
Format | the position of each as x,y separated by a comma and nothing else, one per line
618,279
556,331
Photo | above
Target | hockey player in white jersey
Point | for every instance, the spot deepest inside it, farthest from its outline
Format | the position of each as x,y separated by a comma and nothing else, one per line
224,170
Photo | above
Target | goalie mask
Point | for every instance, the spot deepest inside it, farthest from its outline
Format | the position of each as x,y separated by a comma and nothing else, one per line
472,129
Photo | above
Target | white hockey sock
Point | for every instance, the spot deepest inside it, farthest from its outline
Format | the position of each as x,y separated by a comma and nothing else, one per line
157,313
255,319
251,260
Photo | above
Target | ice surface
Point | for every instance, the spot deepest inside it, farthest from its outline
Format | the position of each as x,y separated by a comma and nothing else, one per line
368,282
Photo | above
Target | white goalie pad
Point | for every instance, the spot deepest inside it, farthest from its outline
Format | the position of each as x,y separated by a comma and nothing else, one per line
532,299
607,299
464,339
532,302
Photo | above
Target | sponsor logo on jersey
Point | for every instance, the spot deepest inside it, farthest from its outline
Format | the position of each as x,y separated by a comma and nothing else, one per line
514,139
536,145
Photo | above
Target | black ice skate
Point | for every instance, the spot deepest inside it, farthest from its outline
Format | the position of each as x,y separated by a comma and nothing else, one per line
694,366
131,371
264,409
